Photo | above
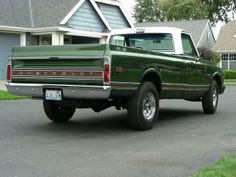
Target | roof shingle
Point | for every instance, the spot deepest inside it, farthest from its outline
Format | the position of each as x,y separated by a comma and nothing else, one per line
15,13
227,40
45,13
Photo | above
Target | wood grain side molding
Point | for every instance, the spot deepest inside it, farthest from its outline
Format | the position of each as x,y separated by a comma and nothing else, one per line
124,85
185,87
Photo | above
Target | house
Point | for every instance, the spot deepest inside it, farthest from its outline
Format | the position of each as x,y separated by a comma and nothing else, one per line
57,22
226,45
200,30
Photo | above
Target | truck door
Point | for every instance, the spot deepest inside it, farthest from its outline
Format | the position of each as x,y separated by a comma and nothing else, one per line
195,72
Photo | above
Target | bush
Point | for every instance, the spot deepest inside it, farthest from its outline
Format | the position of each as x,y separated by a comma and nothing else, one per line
230,74
209,54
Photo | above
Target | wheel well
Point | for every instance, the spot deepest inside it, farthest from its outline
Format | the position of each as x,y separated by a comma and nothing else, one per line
155,79
218,80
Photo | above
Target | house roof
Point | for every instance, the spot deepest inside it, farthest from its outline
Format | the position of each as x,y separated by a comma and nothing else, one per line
226,41
195,27
36,13
14,13
50,12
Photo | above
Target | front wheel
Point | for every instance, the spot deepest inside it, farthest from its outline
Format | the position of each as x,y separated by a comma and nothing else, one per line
57,113
143,107
210,99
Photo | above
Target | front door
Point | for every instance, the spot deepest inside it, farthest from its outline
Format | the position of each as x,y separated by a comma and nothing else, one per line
195,71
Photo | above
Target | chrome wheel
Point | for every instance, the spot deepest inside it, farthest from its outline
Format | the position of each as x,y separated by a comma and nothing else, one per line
149,106
214,97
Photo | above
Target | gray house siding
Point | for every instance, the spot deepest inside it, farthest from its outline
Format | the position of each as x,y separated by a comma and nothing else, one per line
86,19
207,39
114,16
7,41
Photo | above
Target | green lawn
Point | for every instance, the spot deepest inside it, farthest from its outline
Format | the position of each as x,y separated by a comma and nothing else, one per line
226,167
230,80
4,95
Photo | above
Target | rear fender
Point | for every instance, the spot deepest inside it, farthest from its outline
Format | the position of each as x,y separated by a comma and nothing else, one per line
157,80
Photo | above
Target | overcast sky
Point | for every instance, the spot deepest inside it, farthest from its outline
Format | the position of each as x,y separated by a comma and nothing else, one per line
128,5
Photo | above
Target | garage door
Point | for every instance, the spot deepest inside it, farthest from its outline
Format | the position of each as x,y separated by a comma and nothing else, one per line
7,41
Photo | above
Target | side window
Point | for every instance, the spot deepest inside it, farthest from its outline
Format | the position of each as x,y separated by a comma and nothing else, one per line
188,46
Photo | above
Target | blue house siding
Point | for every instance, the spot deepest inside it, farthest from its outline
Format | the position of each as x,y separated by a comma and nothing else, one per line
7,41
86,19
114,16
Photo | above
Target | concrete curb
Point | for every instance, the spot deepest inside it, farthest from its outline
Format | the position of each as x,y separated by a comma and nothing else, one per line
2,85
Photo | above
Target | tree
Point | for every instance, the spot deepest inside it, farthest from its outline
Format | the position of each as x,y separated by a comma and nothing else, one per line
220,10
183,10
162,10
147,11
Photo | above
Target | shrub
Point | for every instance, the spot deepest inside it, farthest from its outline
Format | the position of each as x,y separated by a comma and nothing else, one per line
209,54
230,74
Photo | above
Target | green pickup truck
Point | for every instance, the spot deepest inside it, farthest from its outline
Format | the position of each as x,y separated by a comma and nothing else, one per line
133,70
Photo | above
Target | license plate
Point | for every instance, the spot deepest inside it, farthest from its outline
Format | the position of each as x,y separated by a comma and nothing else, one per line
55,95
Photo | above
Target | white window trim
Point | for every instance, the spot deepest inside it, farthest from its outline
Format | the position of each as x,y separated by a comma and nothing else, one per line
75,32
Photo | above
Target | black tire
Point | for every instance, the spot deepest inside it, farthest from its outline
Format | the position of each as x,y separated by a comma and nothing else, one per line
210,99
57,113
139,107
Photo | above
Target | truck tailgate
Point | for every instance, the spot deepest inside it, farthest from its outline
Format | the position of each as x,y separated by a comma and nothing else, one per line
72,64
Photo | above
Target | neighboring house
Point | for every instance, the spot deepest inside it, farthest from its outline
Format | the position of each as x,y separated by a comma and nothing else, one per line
57,22
226,45
200,30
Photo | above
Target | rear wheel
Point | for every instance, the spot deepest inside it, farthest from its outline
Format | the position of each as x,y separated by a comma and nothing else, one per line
57,113
210,99
143,107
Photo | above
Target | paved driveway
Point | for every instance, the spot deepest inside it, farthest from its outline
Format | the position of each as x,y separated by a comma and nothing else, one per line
102,145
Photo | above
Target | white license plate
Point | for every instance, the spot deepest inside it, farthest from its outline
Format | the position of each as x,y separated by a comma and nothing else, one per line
53,95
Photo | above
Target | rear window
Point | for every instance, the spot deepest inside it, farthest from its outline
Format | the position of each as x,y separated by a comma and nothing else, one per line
161,42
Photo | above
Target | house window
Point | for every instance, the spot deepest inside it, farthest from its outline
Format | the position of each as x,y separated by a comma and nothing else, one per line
67,40
224,57
232,57
45,40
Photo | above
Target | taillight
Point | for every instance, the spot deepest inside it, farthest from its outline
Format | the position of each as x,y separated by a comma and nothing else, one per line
9,72
106,77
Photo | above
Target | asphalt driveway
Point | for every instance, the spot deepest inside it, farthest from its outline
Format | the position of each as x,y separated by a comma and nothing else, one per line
102,145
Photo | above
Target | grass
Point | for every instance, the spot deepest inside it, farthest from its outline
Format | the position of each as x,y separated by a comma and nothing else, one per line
4,95
230,80
228,85
225,167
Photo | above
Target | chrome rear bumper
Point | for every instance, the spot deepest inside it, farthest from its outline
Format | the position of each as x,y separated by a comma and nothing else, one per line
69,91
